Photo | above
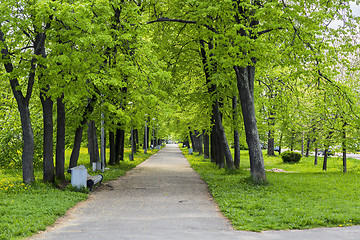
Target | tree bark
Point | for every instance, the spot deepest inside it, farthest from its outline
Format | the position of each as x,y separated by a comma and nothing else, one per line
308,147
236,134
344,160
133,144
280,142
60,139
215,154
325,159
224,149
28,140
136,140
344,147
122,144
79,131
93,146
271,144
271,140
222,137
326,151
192,141
118,143
206,145
48,145
198,142
148,136
302,145
112,148
76,147
245,83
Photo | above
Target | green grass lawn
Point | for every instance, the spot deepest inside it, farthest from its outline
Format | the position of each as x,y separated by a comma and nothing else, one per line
303,197
27,209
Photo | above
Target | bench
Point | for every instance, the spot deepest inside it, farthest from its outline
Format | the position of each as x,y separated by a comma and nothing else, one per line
91,181
80,178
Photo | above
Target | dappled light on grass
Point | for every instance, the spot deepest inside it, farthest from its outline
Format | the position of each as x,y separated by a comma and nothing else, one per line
307,197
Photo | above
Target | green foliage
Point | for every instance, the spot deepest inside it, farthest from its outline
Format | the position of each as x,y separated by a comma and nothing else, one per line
300,197
290,157
10,143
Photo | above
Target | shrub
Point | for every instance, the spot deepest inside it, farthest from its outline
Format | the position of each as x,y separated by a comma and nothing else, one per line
290,157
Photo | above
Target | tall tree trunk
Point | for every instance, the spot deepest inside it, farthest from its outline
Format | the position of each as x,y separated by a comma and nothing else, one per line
154,137
236,149
28,148
344,147
302,145
122,144
48,145
271,144
236,134
221,153
93,146
208,65
292,141
245,83
192,141
217,154
316,155
213,156
136,140
198,142
118,142
60,139
206,145
326,151
104,149
112,148
344,160
280,142
79,131
23,101
222,137
308,141
325,159
76,147
271,140
148,136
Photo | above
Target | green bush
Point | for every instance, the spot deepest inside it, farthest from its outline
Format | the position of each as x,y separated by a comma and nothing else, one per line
290,157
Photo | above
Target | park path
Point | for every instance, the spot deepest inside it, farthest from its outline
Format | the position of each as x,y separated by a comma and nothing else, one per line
162,198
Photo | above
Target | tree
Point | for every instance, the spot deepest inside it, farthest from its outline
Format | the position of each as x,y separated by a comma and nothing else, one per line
26,68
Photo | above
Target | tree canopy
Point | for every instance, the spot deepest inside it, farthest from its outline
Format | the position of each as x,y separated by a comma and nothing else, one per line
180,63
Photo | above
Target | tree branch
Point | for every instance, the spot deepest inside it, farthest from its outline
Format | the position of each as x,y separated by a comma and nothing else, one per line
268,30
165,19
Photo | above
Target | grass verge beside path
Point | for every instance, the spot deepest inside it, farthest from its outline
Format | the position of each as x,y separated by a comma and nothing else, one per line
301,198
27,209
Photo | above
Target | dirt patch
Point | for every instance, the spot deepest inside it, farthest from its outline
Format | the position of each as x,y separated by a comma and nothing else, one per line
62,184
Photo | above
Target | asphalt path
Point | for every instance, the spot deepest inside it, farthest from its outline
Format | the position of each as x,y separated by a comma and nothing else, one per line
163,198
